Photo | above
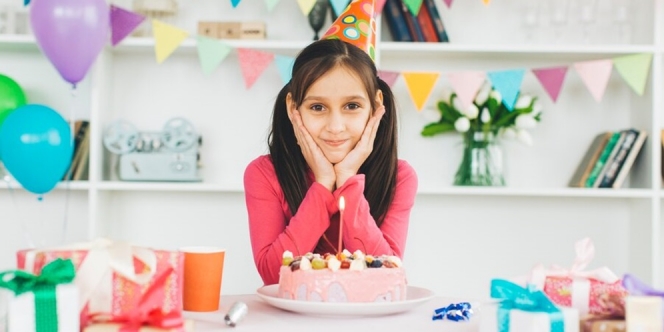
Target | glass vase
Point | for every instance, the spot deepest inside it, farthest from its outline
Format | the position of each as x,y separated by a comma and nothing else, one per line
481,162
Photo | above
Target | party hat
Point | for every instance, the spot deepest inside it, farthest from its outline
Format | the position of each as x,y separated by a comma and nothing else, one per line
357,26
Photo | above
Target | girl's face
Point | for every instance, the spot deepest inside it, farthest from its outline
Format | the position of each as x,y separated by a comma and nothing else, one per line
336,110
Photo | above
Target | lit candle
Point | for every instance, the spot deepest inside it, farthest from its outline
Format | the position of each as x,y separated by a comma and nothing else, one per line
342,206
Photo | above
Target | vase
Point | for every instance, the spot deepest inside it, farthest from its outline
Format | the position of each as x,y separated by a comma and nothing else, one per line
481,162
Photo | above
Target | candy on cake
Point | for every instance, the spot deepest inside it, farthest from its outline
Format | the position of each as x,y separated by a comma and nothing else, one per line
344,277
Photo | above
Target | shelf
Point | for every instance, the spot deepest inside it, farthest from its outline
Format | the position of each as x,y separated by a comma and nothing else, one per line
540,192
165,186
73,185
135,44
18,43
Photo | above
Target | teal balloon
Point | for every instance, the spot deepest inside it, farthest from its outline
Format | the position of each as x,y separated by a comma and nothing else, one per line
36,147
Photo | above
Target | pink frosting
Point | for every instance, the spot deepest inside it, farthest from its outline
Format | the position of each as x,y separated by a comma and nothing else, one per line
369,285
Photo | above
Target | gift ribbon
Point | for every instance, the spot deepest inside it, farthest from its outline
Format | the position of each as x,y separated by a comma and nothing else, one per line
148,309
43,286
95,274
454,312
635,286
585,252
529,299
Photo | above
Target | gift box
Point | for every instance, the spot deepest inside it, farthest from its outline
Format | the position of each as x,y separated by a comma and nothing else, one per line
644,307
47,302
188,326
602,324
597,292
525,309
112,276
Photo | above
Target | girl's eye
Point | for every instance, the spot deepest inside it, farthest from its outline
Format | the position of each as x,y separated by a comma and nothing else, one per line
353,106
316,107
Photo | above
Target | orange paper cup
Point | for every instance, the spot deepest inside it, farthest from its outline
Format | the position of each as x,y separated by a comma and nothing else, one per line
203,270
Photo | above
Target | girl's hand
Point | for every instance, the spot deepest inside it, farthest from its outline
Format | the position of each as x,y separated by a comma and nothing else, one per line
356,157
321,167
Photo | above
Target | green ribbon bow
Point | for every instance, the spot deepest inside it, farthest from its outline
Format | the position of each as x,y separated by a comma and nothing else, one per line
514,296
43,286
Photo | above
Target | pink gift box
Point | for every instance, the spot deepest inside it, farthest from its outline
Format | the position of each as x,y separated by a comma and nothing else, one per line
113,276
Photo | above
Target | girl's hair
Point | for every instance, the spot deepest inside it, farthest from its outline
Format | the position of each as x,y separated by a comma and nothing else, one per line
380,168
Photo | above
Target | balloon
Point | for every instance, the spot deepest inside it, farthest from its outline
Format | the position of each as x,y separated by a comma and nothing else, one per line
71,33
36,147
11,97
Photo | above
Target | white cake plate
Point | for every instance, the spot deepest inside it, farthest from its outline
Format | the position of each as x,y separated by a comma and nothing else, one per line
415,297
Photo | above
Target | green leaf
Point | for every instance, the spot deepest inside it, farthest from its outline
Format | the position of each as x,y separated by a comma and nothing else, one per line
449,114
437,128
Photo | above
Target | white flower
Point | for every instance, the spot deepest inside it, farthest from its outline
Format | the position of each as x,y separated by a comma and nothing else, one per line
537,108
509,133
523,102
431,115
446,95
524,137
471,112
483,94
485,117
497,96
456,103
462,124
525,121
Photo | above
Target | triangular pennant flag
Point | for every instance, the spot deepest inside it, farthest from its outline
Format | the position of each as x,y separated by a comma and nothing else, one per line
390,77
466,84
270,4
448,3
211,52
486,2
306,6
167,39
338,6
634,70
551,79
235,3
420,86
413,5
285,66
378,6
123,22
508,83
252,64
595,75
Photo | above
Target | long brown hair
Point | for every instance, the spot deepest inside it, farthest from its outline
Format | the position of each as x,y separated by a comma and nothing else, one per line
380,168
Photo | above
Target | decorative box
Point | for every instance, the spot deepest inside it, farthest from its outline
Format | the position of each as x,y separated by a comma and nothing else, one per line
599,324
113,276
47,302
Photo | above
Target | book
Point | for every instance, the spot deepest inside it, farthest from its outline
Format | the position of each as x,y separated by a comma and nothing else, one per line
80,128
81,169
411,22
426,24
629,160
613,166
437,21
609,160
604,156
396,23
595,149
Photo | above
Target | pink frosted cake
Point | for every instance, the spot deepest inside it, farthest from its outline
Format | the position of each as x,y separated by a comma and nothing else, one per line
342,278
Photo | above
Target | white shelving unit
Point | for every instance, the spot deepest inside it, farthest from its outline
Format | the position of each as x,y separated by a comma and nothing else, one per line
459,237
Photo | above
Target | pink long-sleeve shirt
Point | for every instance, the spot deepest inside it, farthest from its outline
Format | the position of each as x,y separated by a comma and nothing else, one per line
271,232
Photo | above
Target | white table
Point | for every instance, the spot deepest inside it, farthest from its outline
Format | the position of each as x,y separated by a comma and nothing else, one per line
264,317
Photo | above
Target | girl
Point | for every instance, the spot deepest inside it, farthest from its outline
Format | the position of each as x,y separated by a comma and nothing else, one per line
334,133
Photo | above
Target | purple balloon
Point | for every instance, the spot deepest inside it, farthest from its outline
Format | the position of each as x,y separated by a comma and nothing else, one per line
71,33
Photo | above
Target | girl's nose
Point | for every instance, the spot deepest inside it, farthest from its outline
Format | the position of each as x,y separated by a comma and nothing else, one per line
335,122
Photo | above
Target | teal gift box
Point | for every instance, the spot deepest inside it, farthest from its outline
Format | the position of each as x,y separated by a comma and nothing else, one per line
40,303
525,309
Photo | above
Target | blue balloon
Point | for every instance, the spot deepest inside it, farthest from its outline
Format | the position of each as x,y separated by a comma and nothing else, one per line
36,147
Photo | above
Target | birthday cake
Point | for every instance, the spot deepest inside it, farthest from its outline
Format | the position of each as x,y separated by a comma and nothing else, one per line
344,277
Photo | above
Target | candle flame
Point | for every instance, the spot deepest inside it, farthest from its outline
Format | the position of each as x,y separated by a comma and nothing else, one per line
342,203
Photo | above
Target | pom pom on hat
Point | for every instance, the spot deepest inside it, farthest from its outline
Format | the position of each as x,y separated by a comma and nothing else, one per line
357,26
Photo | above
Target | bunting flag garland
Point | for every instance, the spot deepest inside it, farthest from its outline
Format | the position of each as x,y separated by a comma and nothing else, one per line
486,2
338,6
378,6
466,84
270,4
285,66
123,23
306,6
420,86
252,64
235,3
413,5
211,53
634,70
551,79
508,83
390,77
448,3
595,75
167,39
